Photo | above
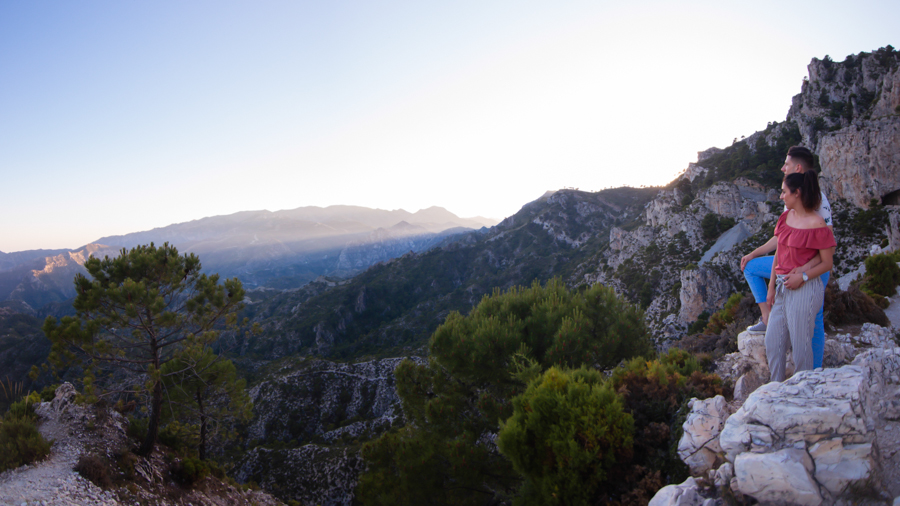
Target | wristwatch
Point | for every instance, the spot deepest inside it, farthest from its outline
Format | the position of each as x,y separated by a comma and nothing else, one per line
805,277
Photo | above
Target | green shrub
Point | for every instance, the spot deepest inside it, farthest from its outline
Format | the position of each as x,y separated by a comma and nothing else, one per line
20,443
700,324
567,432
190,470
653,392
137,428
724,316
48,392
95,469
882,275
478,363
852,306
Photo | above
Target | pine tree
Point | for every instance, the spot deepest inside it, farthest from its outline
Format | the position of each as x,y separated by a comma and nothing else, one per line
135,312
204,392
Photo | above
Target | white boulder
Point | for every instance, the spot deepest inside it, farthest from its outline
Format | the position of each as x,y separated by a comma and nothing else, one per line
781,477
699,445
684,494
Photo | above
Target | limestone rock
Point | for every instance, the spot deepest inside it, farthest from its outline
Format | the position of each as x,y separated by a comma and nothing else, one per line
65,395
694,170
724,474
859,163
317,398
684,494
701,290
699,445
753,347
821,422
805,408
860,157
724,199
660,209
310,474
781,477
747,383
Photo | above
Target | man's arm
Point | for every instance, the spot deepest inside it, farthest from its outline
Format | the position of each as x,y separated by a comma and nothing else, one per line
765,249
770,296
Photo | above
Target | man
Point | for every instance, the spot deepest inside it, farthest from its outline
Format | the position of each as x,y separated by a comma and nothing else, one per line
758,268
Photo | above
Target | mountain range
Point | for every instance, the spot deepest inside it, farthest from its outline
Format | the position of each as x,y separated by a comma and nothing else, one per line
282,249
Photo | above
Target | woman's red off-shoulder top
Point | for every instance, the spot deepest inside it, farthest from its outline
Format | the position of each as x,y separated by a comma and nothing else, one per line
796,246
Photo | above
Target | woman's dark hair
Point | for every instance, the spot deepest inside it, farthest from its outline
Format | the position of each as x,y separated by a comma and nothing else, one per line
808,184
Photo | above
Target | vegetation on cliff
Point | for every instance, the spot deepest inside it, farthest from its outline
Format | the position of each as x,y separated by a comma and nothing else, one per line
515,366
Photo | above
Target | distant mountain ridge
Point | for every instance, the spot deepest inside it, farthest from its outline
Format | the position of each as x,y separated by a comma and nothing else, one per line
281,249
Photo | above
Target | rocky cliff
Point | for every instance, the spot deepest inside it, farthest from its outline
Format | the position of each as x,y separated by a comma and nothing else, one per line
828,436
677,261
849,112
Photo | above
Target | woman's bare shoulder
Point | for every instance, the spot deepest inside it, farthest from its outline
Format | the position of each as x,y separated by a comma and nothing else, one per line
818,222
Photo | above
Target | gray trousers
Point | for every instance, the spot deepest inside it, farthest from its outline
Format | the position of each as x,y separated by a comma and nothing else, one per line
794,316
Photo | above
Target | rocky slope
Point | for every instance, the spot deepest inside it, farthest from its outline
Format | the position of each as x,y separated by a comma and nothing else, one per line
828,436
42,279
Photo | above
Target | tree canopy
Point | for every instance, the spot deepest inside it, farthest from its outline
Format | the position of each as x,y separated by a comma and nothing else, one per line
477,364
134,313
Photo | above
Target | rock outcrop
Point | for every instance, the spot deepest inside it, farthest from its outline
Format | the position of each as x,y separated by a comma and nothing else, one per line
702,289
699,445
310,475
849,112
325,401
828,436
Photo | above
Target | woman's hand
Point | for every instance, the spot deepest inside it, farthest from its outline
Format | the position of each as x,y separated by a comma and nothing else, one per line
770,297
793,281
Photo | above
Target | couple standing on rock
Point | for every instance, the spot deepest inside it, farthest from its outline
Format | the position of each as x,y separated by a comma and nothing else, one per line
792,300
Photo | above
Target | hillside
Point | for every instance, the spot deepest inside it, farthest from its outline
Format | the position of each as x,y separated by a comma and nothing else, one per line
394,306
320,371
674,250
848,112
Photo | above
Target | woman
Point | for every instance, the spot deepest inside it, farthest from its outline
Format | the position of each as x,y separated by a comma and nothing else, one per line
795,298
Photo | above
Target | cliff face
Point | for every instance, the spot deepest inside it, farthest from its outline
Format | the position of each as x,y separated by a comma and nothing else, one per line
849,113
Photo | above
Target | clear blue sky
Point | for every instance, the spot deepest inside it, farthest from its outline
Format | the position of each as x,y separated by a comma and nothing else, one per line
123,116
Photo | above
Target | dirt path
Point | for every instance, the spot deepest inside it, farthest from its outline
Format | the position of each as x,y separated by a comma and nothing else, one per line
52,481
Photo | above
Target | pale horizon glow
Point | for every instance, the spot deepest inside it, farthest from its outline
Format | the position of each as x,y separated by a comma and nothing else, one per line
122,117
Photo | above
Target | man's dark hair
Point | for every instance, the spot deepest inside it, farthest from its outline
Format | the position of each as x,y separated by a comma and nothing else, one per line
802,155
808,184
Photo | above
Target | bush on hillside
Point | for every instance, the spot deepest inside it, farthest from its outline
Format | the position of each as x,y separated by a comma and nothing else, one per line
851,307
94,469
882,275
20,441
719,334
654,393
714,225
477,364
567,432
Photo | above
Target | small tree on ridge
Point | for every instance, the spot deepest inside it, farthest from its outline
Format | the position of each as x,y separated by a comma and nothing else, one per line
134,314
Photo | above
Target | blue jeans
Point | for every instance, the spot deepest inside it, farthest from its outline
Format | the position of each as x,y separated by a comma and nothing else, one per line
757,273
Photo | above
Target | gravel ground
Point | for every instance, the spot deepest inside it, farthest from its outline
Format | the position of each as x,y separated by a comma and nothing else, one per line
52,481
